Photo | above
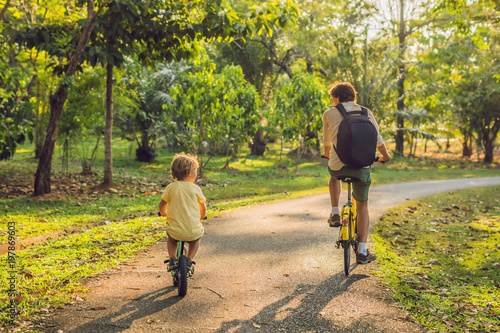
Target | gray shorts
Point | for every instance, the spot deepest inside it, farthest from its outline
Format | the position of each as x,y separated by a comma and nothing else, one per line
175,240
361,181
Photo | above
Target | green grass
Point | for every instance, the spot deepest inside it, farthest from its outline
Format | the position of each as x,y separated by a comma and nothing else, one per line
441,257
113,225
49,274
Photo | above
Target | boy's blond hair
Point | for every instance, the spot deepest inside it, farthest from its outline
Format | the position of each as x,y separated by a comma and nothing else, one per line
182,165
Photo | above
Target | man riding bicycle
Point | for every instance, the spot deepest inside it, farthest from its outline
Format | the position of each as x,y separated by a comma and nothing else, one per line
344,92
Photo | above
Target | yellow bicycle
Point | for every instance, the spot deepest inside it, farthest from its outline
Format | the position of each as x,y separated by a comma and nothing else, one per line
348,234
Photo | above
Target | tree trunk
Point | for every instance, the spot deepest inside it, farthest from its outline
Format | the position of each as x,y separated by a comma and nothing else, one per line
467,145
364,91
258,145
37,134
400,122
87,164
4,10
228,148
108,131
42,175
489,137
488,152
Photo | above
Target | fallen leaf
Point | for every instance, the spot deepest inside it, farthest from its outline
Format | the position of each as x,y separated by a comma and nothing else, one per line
98,308
435,262
131,297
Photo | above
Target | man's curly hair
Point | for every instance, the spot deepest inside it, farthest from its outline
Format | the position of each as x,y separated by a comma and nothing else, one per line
344,91
182,166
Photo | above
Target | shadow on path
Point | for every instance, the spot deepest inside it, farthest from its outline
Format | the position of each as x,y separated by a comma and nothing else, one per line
285,316
123,319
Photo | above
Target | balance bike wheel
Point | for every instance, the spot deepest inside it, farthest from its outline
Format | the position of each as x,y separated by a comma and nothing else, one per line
183,275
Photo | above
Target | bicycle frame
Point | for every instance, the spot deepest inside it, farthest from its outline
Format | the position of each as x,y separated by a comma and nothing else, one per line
181,247
348,217
348,228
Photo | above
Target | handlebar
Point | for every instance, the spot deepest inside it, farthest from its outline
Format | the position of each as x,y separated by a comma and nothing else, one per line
377,158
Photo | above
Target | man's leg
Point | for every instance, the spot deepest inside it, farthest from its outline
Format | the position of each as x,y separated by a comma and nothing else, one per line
363,221
335,188
363,256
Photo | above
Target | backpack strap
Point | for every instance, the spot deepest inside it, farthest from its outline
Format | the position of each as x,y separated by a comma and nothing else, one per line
345,114
342,110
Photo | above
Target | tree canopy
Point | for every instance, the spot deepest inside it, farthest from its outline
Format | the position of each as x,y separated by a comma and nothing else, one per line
428,70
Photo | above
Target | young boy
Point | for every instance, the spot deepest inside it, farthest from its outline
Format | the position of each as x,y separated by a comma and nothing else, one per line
186,207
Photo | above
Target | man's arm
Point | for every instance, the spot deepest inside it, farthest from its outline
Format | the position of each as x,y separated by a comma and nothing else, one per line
326,138
327,152
386,157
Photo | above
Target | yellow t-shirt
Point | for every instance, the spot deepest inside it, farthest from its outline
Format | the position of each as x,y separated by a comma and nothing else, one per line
183,210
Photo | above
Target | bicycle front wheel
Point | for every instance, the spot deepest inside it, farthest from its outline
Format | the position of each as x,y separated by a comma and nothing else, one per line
347,257
183,275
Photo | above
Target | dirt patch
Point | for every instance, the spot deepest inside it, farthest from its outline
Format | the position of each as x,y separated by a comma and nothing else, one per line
62,188
26,243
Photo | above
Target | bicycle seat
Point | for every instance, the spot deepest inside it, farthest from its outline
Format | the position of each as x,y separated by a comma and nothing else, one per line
348,179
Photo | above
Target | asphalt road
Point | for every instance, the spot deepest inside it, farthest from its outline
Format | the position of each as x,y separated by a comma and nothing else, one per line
267,268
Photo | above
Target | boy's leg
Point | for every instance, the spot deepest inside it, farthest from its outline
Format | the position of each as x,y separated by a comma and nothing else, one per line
193,248
172,248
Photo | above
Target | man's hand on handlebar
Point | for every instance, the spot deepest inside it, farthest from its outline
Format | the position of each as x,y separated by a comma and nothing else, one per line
383,159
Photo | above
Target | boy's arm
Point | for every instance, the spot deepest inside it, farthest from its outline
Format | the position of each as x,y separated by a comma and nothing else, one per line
203,210
163,207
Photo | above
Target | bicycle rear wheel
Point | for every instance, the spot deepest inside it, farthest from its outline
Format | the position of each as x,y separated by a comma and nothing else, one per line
183,275
355,240
347,257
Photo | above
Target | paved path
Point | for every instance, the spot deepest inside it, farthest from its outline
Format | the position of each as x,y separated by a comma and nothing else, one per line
267,268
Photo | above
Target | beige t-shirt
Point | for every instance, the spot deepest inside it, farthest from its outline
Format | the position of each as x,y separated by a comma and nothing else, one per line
331,121
183,210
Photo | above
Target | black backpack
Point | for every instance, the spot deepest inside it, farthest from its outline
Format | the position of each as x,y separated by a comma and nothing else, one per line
356,138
